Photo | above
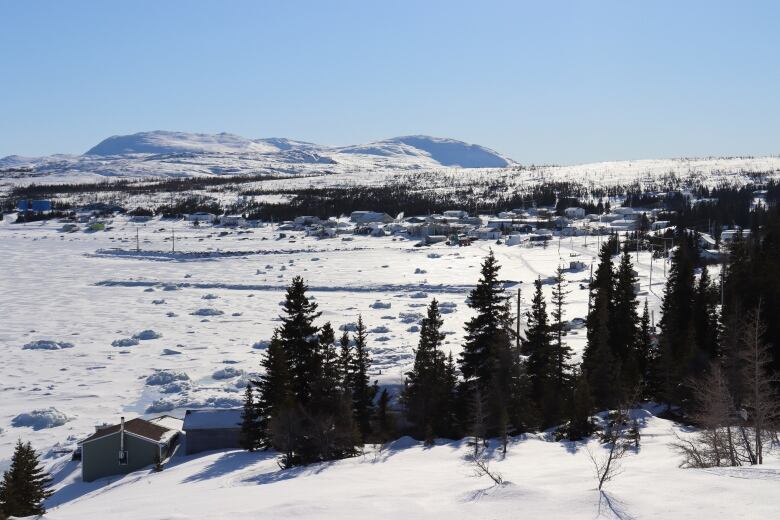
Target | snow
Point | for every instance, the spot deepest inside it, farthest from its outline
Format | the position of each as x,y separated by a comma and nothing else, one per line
40,419
404,479
95,382
227,373
163,377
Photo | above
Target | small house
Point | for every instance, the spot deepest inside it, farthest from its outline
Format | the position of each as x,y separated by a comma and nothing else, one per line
201,216
365,217
485,233
212,429
232,220
128,446
574,212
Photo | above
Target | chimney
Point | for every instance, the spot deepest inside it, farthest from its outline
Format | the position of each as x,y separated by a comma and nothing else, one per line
122,434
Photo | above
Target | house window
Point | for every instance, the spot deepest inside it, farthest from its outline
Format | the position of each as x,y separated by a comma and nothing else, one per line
123,458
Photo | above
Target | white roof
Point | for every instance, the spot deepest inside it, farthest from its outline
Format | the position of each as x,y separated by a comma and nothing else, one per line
212,419
168,421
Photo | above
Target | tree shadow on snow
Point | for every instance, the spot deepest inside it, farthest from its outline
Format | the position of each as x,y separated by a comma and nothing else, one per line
611,507
286,474
228,463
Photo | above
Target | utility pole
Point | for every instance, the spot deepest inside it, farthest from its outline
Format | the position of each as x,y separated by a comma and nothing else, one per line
650,284
173,241
137,242
517,332
637,248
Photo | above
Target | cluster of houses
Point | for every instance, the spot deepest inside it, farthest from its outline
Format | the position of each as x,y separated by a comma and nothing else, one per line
457,227
131,445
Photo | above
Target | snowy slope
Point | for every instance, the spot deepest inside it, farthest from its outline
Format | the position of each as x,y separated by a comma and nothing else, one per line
162,142
444,152
405,480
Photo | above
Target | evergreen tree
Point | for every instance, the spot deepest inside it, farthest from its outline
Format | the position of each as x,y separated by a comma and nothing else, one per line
274,389
329,382
705,316
250,438
646,353
424,388
598,363
624,326
449,414
537,346
298,336
385,424
482,331
488,359
677,342
580,423
345,362
25,486
363,392
561,353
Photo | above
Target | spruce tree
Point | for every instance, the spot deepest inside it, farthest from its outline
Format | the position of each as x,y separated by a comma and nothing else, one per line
580,423
425,382
250,436
363,392
705,316
329,380
624,325
646,354
677,341
345,362
488,360
274,388
537,346
598,363
298,336
561,353
25,486
483,330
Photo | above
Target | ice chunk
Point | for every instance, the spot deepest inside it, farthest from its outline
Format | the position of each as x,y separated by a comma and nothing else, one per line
40,419
163,377
47,344
147,334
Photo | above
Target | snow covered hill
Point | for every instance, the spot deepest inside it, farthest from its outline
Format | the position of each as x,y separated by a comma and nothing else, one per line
446,152
543,479
162,142
442,163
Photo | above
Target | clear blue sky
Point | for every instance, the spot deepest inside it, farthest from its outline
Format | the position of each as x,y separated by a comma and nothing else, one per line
543,82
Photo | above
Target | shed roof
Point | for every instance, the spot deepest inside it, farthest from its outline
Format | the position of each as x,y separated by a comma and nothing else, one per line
139,427
212,419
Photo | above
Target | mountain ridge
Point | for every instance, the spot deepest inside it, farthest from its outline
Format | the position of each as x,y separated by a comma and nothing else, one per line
442,151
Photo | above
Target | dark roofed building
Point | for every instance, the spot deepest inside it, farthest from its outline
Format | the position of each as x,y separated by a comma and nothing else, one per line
128,446
214,429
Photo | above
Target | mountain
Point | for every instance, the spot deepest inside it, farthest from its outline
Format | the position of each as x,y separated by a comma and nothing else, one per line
163,142
446,152
417,149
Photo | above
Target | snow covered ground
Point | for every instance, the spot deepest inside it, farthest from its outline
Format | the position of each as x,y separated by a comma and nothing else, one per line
542,479
159,331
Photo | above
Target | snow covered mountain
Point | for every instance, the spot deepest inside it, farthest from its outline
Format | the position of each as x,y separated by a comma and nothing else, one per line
425,150
162,142
446,152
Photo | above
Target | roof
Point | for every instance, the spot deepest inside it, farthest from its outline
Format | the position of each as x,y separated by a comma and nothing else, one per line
138,427
168,421
212,419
